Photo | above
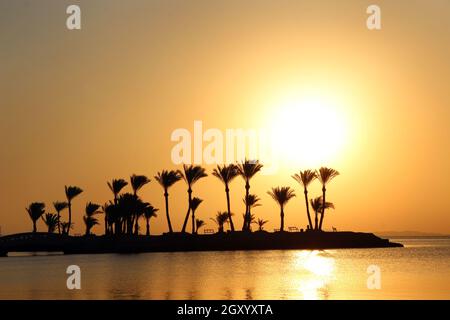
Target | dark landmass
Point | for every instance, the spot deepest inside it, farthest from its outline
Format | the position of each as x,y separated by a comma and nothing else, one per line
398,234
45,242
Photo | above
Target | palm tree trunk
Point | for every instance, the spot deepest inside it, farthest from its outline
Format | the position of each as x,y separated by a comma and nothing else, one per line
323,207
245,227
188,211
59,217
307,209
106,225
34,227
193,222
166,196
70,217
136,226
148,226
282,219
315,221
227,191
130,225
321,220
134,215
118,227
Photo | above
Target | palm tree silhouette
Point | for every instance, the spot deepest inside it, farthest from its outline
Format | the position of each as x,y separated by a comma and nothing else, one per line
195,202
51,221
251,201
191,174
65,226
247,169
141,207
226,174
220,219
59,206
137,182
325,175
328,205
316,205
305,178
149,212
89,219
116,185
113,219
252,219
198,224
166,179
128,206
261,223
282,195
71,192
35,211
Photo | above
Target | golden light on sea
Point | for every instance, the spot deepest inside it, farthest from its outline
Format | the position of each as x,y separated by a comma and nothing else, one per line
320,269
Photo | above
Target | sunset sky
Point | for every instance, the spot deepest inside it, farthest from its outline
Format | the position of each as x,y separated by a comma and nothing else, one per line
82,107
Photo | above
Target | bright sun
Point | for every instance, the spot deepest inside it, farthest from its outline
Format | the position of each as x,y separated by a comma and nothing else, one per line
308,130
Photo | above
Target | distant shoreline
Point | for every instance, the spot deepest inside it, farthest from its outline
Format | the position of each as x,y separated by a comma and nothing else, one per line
415,237
416,234
29,242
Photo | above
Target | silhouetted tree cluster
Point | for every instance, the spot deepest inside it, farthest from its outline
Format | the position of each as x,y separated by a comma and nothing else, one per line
123,212
319,205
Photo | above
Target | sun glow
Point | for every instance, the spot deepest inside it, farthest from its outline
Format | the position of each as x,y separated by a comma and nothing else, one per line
309,130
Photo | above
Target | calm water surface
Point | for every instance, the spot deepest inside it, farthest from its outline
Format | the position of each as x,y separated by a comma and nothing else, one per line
421,270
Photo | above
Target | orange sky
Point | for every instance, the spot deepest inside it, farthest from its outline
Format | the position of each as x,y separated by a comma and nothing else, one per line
83,107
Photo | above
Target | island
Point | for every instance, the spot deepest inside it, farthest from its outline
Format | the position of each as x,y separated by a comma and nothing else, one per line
173,242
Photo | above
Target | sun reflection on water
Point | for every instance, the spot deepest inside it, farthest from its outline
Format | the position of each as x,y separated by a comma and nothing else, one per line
319,267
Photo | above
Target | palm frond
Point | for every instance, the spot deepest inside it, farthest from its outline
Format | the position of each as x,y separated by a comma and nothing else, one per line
195,202
92,209
305,177
221,218
60,205
36,210
248,168
168,178
51,221
251,201
199,223
138,181
226,173
116,185
72,192
325,175
281,194
192,173
316,204
65,226
150,212
261,223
